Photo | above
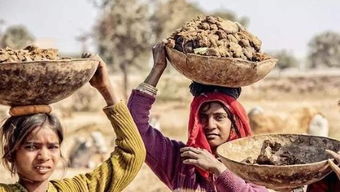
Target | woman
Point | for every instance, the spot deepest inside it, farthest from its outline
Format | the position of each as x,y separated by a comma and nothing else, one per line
31,146
215,118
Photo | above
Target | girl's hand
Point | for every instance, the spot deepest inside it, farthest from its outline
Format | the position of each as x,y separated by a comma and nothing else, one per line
101,81
335,167
201,158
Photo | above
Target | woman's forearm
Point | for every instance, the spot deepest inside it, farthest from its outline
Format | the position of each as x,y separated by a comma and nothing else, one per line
160,63
154,76
228,181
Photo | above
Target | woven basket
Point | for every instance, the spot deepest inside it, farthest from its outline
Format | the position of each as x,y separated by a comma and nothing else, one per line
228,72
43,82
312,148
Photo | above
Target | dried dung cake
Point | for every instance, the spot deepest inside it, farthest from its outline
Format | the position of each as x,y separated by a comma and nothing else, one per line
30,53
275,153
213,36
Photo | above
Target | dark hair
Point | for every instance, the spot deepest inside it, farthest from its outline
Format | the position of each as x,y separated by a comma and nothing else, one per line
206,106
15,130
197,89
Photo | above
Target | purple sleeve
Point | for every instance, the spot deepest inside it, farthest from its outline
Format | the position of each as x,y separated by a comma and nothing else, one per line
228,181
162,154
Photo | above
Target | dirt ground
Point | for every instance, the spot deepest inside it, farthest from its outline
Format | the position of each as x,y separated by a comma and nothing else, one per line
275,94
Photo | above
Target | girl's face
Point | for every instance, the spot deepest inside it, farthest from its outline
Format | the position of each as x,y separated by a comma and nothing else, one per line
216,124
37,157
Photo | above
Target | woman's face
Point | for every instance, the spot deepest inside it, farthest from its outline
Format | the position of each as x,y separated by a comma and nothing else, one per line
216,123
38,155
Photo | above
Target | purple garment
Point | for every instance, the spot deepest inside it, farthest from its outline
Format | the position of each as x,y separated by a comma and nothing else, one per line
163,156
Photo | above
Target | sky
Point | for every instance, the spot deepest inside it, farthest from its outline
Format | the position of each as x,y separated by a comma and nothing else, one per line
284,24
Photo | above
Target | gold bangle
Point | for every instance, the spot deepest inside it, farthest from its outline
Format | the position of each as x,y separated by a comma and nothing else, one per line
148,86
148,89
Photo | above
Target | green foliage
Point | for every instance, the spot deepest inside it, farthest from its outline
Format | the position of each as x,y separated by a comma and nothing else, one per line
172,14
16,37
127,29
123,34
286,60
2,22
231,16
324,50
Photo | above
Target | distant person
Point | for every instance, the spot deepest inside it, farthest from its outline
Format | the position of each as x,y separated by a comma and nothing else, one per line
85,149
215,118
318,126
31,145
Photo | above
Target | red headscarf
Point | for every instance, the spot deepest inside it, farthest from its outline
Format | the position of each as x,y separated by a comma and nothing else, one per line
197,136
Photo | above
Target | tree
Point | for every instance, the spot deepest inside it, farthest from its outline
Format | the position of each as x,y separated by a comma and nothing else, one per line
2,22
124,34
324,50
231,16
286,60
16,37
127,29
172,14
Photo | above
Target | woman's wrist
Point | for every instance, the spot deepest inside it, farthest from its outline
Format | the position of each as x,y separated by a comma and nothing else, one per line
157,68
154,76
147,88
219,169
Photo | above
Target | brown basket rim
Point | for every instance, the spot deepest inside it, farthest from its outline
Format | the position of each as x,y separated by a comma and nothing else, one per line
274,166
270,58
48,61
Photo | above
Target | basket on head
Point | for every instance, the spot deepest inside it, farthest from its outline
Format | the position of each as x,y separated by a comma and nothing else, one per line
309,148
43,82
221,71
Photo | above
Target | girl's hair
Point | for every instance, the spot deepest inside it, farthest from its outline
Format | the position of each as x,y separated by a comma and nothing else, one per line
197,89
206,106
15,130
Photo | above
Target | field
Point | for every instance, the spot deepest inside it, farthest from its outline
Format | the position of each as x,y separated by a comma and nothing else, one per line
277,94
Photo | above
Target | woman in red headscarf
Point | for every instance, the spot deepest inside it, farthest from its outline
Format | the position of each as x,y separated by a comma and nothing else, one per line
216,117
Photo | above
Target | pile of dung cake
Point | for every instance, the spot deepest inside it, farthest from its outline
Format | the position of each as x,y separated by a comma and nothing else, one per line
273,153
213,36
30,53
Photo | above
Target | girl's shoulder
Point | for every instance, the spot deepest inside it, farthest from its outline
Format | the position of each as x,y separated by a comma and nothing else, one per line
9,187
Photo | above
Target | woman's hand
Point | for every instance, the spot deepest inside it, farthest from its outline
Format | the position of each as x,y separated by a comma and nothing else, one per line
160,63
203,159
159,56
101,81
335,167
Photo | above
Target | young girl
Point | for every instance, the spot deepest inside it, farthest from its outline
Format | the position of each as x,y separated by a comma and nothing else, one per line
31,141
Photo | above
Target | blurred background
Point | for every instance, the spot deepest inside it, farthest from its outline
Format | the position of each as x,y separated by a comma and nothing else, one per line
305,85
